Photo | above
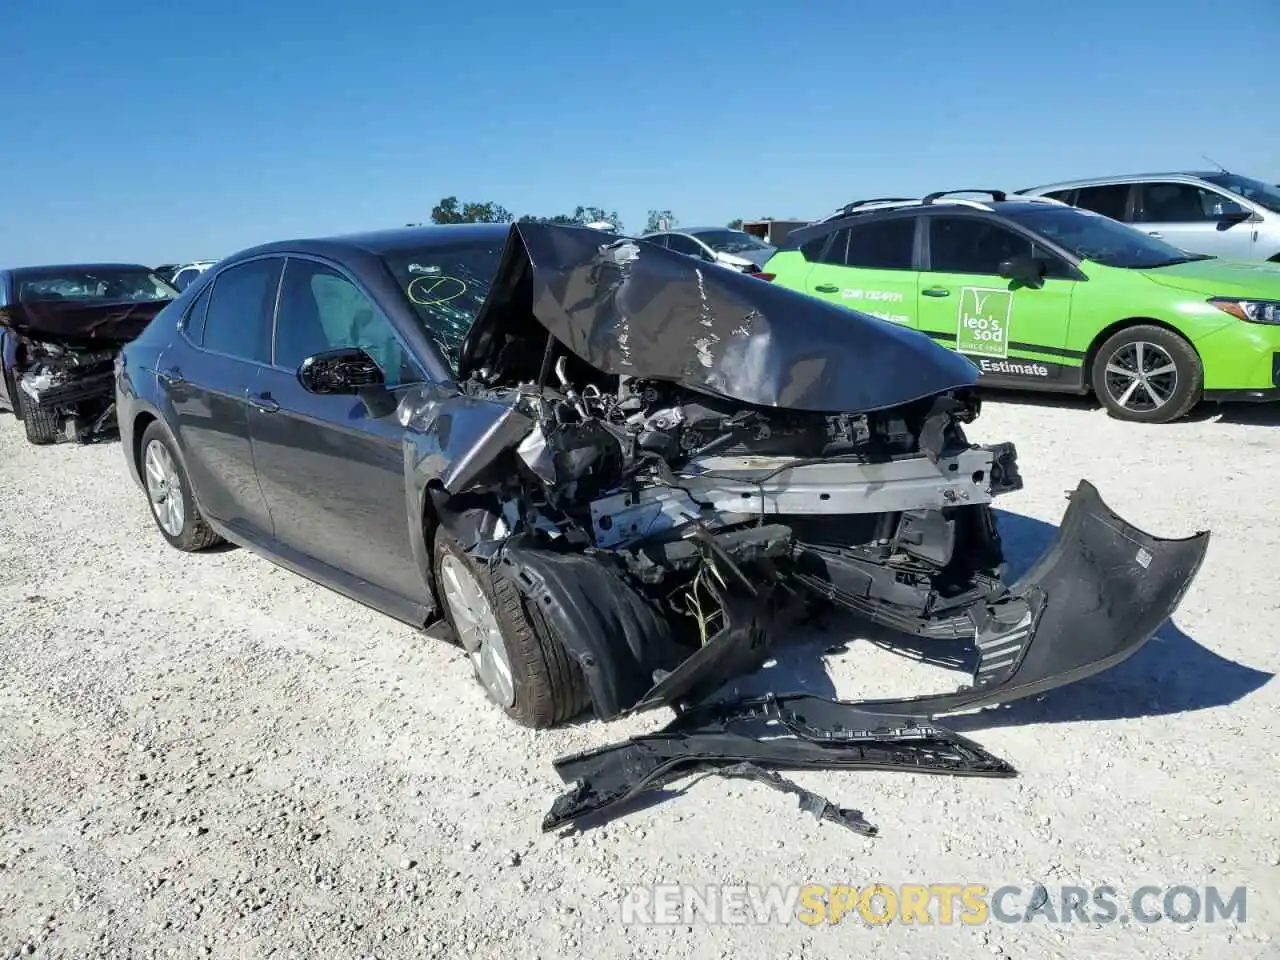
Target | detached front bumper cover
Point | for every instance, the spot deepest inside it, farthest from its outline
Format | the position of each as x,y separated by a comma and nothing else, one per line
1100,591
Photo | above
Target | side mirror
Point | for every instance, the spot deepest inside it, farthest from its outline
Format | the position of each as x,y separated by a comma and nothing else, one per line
348,370
1232,216
1025,270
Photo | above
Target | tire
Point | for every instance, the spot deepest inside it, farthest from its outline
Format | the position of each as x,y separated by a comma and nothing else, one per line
546,686
41,425
190,531
1159,349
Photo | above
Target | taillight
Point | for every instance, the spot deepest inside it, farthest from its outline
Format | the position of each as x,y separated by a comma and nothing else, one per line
764,276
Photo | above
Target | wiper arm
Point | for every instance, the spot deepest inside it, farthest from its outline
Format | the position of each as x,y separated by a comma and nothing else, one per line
1189,258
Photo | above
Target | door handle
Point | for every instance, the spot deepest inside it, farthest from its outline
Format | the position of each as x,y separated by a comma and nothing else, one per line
170,377
264,402
1154,233
936,292
827,288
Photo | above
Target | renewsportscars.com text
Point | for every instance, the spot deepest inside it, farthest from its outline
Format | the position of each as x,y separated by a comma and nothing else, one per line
928,904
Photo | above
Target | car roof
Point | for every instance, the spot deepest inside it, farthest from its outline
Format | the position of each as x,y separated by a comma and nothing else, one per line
931,205
1126,178
45,268
381,242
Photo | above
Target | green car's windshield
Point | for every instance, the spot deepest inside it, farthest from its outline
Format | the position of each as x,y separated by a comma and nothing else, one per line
730,241
446,285
1091,236
99,283
1263,194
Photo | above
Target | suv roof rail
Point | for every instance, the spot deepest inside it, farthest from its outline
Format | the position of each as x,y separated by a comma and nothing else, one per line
997,196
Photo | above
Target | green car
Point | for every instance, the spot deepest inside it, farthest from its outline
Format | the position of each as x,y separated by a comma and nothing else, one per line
1044,296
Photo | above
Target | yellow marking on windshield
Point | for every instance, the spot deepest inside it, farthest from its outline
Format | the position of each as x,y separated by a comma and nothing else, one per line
433,290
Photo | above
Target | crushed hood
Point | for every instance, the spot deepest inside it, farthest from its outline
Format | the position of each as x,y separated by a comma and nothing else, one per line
106,322
637,310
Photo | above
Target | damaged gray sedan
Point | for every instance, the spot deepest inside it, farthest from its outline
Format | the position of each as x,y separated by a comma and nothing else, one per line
613,475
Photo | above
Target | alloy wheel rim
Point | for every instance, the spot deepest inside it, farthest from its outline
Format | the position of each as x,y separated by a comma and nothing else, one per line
478,629
164,489
1141,376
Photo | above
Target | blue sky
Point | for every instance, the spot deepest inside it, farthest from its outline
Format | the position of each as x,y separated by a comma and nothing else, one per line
148,132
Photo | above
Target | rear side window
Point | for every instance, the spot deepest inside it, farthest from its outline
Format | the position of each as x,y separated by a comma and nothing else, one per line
194,324
835,251
1110,200
241,302
1063,195
883,245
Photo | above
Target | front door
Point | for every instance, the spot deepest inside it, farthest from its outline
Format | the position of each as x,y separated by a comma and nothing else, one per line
1195,219
1015,334
332,468
869,267
209,372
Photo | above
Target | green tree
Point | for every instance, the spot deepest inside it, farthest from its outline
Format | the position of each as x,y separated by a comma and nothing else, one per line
735,224
655,220
448,210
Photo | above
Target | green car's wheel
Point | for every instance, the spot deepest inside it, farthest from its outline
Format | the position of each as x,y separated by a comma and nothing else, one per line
1147,374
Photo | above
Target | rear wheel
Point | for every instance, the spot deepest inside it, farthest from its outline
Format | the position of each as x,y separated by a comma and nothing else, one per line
1147,374
169,493
41,425
513,649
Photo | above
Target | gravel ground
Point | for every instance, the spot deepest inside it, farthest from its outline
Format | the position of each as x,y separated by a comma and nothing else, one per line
209,756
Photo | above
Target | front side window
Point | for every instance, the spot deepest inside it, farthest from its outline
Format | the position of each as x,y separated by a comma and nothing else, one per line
73,283
973,245
445,286
321,309
237,321
682,244
1090,236
1110,200
1263,194
1182,203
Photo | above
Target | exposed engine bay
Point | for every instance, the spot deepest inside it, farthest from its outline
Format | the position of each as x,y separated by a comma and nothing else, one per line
64,375
69,390
669,462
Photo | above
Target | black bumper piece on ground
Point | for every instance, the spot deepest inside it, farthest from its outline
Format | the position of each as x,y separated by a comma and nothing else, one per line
752,738
1099,592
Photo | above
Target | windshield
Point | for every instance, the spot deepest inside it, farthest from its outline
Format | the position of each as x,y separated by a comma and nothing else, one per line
1091,236
446,286
1263,194
78,283
731,241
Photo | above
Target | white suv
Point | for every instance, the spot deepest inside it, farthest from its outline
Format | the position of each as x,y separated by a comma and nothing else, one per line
1222,214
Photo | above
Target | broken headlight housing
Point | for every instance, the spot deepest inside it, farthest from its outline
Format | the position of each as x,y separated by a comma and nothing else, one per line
1251,311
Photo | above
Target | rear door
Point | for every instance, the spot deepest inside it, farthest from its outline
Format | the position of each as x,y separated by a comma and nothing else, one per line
1015,334
208,374
332,469
869,267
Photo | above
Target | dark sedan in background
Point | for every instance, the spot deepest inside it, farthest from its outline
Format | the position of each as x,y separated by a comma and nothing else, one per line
60,328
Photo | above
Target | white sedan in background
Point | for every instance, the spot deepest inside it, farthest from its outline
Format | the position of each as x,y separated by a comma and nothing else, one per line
724,245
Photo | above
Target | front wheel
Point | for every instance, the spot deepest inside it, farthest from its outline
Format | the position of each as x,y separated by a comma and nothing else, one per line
1147,374
169,493
41,425
513,649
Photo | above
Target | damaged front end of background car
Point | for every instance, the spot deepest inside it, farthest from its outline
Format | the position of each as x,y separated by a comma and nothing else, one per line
661,462
63,373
